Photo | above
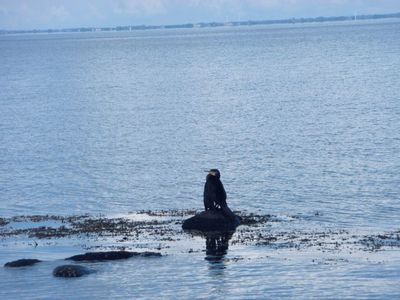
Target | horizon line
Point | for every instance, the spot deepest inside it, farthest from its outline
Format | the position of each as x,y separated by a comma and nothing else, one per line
293,20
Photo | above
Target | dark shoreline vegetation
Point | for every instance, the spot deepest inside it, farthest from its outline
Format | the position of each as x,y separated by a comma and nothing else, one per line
209,24
163,228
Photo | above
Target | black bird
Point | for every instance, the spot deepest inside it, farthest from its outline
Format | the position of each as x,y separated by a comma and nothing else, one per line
214,192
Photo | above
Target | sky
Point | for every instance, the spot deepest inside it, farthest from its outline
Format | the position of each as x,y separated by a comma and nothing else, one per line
45,14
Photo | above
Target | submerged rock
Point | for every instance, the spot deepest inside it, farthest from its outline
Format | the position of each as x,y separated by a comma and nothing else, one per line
3,222
210,221
69,271
147,254
22,263
110,255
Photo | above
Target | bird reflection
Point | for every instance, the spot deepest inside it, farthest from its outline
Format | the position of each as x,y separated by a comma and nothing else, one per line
216,248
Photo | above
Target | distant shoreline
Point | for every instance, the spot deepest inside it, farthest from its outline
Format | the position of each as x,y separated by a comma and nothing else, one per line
208,24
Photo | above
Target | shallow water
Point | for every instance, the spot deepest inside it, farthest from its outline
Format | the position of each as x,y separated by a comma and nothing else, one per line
273,259
142,278
301,120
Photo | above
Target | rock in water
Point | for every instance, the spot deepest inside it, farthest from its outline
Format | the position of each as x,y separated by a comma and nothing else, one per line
69,271
110,255
22,263
210,221
147,254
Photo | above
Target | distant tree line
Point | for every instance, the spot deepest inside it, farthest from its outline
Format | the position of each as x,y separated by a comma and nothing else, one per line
208,24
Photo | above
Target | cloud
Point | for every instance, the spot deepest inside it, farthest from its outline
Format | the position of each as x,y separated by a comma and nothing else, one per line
134,7
58,12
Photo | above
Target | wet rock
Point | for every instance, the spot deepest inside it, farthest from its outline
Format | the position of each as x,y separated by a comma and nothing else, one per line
110,255
210,221
147,254
22,263
69,271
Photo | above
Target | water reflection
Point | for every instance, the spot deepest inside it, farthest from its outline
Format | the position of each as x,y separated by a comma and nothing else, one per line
217,244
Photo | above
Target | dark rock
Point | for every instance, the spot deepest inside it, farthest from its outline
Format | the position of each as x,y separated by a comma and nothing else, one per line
22,263
147,254
110,255
69,271
3,222
210,221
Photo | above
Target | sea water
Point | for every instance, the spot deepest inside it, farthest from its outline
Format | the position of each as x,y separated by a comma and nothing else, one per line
300,120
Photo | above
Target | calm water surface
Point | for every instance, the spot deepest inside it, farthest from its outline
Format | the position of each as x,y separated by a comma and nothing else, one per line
299,119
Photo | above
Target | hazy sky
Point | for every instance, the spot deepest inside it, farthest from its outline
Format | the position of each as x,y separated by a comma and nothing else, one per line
42,14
